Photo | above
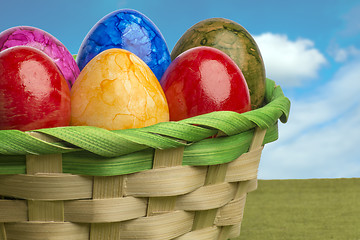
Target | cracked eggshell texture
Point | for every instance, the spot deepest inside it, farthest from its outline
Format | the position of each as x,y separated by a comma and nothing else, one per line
45,42
131,30
117,90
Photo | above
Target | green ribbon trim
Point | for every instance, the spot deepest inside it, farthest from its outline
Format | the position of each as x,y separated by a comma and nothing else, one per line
99,152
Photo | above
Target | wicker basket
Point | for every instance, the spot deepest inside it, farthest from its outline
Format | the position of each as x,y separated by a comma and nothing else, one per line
172,180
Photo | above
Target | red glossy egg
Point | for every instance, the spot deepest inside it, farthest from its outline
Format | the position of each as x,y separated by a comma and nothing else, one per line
202,80
33,92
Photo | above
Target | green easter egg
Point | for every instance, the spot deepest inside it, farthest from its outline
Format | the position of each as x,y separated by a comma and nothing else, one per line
233,39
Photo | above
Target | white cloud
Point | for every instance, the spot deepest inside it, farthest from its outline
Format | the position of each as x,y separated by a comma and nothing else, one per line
343,54
322,136
289,62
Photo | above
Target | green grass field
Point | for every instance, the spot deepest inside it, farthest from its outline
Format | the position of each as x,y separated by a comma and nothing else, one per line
315,209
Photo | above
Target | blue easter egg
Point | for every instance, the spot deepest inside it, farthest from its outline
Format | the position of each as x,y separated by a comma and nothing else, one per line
130,30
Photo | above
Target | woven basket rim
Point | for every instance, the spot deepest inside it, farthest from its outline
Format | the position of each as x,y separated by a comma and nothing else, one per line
159,136
131,150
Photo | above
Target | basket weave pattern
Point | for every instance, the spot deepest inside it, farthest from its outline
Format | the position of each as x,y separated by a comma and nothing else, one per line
162,203
192,187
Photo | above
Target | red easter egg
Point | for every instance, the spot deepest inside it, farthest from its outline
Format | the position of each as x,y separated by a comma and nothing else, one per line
202,80
33,92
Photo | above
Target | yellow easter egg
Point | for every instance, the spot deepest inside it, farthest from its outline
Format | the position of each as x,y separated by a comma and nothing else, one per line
117,90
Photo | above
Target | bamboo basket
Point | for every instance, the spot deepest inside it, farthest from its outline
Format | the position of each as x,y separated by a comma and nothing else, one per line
171,180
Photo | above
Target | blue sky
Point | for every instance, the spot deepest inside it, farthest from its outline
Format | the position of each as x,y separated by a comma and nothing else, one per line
310,48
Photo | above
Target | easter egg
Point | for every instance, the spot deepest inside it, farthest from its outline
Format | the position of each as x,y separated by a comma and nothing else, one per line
33,92
130,30
202,80
37,38
117,90
233,39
